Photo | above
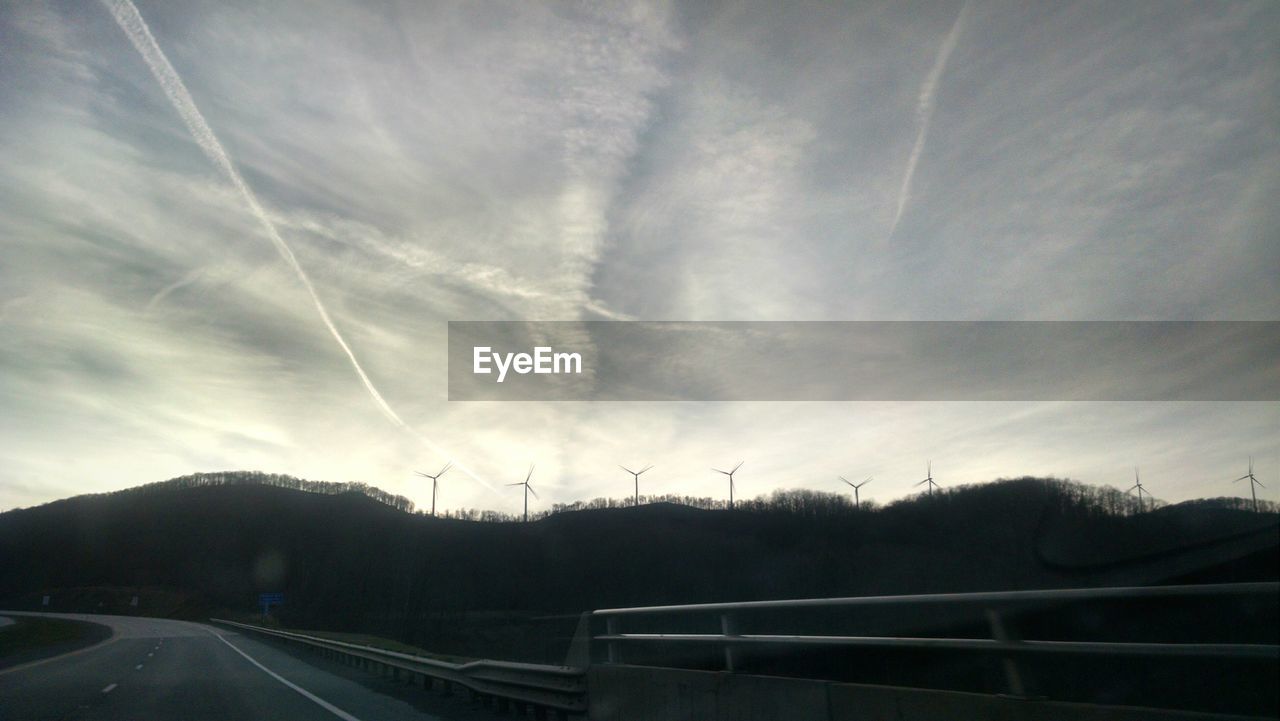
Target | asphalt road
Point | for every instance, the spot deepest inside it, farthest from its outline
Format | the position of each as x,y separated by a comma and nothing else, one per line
159,669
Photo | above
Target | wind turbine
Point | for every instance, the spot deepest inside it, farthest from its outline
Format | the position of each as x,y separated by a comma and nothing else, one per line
855,486
637,475
527,490
1252,481
730,475
1137,484
434,478
928,479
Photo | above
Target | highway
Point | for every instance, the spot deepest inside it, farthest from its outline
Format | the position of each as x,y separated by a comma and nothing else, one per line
160,669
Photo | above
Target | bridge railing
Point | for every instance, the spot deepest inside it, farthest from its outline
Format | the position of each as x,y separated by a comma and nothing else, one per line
994,606
561,689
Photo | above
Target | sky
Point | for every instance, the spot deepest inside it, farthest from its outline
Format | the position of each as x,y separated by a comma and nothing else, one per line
232,235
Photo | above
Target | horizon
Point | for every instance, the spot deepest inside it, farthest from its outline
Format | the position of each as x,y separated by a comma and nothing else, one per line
234,237
259,478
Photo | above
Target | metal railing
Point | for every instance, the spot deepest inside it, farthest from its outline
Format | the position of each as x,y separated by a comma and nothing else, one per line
997,604
561,689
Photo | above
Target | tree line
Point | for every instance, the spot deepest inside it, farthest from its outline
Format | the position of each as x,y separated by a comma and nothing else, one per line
258,478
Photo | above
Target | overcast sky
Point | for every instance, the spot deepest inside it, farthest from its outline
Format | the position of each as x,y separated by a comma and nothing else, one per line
427,162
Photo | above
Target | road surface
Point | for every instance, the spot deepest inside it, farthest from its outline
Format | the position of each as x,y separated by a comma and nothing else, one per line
158,669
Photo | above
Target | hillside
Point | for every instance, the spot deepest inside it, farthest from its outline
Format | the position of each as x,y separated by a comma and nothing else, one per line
349,562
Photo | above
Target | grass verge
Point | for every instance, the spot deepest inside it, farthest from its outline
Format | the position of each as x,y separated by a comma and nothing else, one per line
31,638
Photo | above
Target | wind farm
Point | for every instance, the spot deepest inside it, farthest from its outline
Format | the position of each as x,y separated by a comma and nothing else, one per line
1136,497
1141,496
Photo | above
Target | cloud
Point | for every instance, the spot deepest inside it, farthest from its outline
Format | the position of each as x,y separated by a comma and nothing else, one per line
924,111
462,161
127,16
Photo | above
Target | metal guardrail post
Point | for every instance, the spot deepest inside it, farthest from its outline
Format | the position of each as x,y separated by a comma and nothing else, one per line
611,628
728,628
1012,676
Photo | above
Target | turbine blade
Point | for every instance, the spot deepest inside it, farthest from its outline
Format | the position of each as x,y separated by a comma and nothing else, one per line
526,478
535,493
927,480
628,470
645,469
735,468
1258,482
420,473
515,484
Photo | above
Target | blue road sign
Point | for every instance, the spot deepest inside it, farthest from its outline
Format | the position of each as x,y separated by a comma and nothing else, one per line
267,600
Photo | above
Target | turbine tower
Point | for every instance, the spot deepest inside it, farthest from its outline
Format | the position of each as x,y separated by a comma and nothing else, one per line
927,479
637,476
527,490
1252,482
434,478
857,503
1137,485
730,475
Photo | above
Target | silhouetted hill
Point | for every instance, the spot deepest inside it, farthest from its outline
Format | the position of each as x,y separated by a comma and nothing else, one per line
349,562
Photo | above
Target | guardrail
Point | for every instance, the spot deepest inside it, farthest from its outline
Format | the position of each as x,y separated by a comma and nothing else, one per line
997,603
559,689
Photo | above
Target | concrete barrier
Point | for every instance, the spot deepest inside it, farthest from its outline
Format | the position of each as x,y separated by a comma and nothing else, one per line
644,693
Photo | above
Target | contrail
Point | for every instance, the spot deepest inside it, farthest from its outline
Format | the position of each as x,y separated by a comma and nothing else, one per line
182,282
130,21
924,110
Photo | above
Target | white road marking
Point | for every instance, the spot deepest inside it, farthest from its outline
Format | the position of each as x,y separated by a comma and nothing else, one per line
150,655
109,688
138,667
319,701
